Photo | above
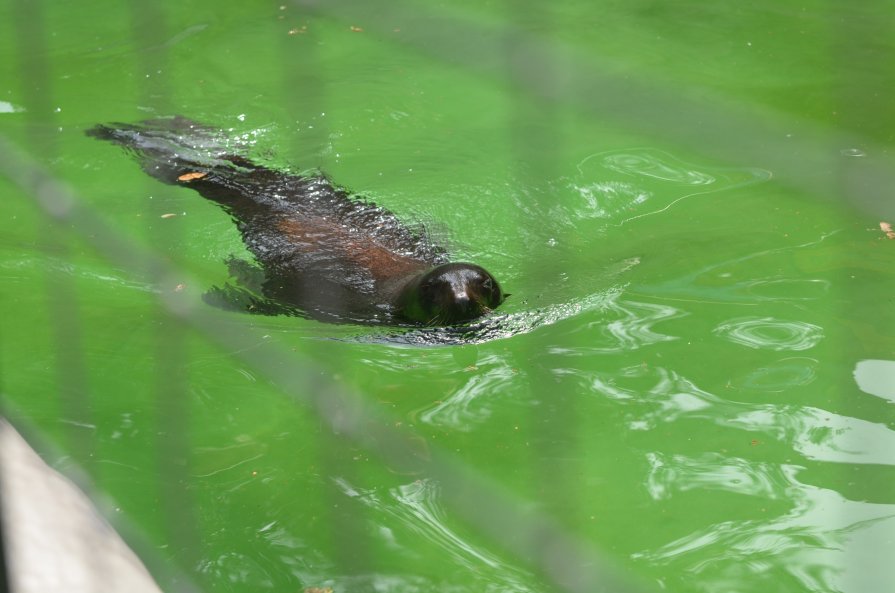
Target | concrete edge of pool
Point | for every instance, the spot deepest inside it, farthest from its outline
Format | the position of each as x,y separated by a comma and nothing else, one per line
54,537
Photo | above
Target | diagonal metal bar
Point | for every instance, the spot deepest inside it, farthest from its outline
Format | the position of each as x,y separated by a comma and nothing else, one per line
567,562
808,156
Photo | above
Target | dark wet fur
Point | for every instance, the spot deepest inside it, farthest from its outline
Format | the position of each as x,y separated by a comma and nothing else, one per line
324,254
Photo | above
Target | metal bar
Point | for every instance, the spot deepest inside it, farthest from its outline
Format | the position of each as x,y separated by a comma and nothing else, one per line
65,321
4,573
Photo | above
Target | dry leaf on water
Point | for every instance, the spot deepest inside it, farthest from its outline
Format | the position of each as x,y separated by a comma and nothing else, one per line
191,176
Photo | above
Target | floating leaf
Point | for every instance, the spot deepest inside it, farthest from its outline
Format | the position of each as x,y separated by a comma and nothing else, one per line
191,176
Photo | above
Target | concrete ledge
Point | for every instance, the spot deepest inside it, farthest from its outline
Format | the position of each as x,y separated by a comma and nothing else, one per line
55,540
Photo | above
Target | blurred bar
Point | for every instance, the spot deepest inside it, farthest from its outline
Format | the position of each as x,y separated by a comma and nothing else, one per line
813,158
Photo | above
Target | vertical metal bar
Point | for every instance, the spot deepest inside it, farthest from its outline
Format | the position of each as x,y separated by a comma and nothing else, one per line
536,139
65,320
5,586
4,574
170,376
304,79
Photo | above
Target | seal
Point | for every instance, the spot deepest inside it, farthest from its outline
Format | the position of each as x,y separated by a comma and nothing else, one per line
323,252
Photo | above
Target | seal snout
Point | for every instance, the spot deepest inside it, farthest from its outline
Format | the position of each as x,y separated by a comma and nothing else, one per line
450,293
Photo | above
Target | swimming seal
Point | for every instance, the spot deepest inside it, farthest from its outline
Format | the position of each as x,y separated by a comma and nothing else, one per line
324,253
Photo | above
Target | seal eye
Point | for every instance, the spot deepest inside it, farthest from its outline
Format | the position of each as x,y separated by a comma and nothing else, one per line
487,285
428,289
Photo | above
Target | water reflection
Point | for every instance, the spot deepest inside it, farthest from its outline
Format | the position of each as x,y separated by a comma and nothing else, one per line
7,107
623,325
823,542
778,533
816,543
779,375
412,513
603,197
236,567
275,552
656,396
467,407
670,474
648,162
876,377
770,334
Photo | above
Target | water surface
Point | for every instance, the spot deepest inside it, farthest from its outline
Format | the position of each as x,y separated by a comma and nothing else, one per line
693,373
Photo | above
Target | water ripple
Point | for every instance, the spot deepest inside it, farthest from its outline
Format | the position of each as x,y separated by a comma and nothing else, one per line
786,289
824,542
416,514
780,375
624,325
471,404
656,396
607,198
770,334
504,325
713,471
656,164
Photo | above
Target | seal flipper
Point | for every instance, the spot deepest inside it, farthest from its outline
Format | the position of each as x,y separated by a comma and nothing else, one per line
166,148
244,296
246,274
240,300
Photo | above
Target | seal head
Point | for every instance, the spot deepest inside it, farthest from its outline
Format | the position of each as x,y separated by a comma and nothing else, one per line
449,293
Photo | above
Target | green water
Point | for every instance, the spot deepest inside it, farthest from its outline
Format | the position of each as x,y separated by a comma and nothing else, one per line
698,371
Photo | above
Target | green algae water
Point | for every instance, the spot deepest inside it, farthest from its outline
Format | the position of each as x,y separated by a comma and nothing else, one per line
694,375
